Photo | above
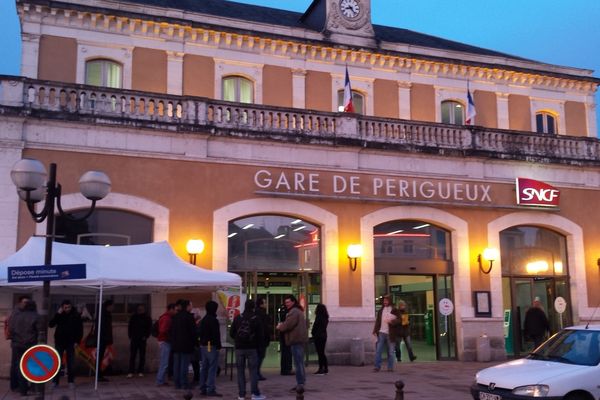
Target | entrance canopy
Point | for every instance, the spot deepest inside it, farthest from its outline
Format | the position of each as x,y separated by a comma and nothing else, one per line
140,268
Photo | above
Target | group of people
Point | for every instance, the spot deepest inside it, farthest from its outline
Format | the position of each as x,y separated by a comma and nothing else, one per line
392,326
180,336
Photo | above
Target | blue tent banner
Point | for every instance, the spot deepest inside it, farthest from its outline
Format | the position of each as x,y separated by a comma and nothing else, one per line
33,273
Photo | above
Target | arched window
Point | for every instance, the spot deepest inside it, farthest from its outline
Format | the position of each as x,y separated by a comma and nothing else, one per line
545,122
102,72
238,89
453,112
105,227
358,101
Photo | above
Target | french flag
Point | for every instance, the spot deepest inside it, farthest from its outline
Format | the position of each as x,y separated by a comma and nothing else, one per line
348,106
471,111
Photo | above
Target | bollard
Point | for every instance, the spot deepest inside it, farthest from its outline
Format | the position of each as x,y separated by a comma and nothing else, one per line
188,396
300,392
399,390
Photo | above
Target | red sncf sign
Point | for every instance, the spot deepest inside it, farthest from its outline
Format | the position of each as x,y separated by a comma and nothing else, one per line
535,193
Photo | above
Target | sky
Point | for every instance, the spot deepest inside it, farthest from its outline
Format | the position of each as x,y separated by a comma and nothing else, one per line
561,32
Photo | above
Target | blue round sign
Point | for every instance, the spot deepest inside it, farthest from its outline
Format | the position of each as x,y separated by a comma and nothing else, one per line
40,363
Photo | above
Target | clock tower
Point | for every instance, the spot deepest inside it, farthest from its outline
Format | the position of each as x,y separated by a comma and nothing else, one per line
342,21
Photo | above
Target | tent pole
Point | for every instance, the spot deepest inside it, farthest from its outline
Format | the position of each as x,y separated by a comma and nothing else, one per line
98,363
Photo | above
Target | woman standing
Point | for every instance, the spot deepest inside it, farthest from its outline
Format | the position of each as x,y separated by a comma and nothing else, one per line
319,334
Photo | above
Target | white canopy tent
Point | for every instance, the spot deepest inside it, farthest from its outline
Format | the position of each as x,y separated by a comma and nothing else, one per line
135,268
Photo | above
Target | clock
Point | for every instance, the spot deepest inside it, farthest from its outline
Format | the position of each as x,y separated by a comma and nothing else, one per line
350,9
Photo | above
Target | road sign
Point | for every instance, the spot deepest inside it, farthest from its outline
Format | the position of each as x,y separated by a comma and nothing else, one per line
32,273
40,363
446,306
560,305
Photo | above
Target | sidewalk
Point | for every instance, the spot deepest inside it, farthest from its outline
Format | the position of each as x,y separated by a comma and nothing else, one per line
423,381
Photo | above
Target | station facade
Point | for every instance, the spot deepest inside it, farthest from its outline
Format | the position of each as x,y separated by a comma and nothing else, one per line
221,122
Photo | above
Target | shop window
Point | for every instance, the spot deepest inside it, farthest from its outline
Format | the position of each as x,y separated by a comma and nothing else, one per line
102,72
273,243
545,123
453,112
238,89
358,101
532,250
105,227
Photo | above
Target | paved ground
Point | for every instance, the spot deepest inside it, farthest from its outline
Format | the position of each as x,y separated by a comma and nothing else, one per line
423,380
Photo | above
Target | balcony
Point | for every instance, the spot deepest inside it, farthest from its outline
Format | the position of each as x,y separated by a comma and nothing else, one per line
194,115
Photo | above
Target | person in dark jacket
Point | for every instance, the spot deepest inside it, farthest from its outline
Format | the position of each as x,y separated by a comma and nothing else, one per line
15,357
69,331
261,313
183,339
296,336
138,331
248,334
24,329
319,334
210,345
106,335
400,330
536,323
284,349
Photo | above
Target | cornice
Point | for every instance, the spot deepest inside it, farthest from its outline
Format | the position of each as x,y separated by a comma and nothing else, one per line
112,21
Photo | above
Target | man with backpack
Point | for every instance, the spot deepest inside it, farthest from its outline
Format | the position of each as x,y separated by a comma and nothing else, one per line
247,331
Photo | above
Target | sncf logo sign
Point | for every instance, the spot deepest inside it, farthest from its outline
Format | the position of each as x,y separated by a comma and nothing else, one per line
535,193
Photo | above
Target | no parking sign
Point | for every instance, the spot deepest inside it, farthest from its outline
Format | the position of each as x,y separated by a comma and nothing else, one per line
40,363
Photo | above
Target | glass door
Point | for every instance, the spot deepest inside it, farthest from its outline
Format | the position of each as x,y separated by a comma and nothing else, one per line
445,332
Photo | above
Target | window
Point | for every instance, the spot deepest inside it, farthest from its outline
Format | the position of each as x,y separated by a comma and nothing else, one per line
545,123
453,112
273,243
358,101
102,72
238,89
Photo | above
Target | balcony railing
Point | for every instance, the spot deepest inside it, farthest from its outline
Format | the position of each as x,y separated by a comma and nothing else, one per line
195,114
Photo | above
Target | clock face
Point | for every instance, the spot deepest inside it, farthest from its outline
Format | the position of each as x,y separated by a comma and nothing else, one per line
349,8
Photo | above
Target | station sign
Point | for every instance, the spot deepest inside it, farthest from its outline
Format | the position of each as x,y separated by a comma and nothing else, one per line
33,273
536,193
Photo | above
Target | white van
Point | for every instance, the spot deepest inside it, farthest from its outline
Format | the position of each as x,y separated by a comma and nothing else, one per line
565,367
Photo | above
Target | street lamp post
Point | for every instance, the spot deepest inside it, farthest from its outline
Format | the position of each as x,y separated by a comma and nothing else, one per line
29,176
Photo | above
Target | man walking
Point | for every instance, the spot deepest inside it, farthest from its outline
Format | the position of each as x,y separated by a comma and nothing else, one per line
296,335
164,326
381,330
69,331
210,344
536,323
138,331
247,331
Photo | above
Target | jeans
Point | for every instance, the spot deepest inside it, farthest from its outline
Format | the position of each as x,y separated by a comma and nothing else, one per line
408,345
320,348
383,341
181,362
208,371
135,346
261,353
70,350
298,357
163,363
241,355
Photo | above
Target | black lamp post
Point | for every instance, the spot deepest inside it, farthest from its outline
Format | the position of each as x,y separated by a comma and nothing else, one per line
29,176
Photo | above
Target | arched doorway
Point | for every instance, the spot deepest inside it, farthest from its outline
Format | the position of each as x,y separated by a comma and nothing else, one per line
277,255
534,265
413,263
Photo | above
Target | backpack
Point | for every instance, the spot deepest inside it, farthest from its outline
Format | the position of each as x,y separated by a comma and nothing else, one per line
245,334
154,329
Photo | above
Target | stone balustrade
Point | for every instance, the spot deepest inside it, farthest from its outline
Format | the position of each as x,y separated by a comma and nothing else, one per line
184,113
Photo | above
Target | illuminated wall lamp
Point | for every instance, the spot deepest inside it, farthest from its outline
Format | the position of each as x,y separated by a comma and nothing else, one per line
354,252
489,255
194,247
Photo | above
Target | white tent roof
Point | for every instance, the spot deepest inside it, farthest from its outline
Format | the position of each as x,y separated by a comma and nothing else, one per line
145,266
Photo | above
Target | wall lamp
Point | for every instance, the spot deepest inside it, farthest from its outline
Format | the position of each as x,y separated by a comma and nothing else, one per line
489,255
354,252
194,247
